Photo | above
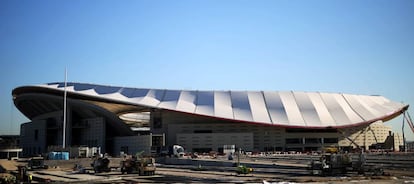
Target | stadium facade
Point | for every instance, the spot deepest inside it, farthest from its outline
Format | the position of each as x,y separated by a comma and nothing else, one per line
123,119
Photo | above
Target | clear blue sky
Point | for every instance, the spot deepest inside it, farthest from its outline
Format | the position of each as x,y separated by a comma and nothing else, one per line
359,47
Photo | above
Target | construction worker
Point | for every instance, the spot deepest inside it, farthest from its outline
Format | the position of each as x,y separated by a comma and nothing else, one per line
30,178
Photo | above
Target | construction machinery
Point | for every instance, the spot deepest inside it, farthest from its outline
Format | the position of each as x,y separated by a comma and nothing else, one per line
101,165
36,163
143,165
330,150
242,169
330,164
333,162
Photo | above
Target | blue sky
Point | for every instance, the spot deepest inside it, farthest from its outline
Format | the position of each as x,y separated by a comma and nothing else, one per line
359,47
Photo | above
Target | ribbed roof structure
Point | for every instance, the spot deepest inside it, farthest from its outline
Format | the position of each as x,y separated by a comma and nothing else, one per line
278,108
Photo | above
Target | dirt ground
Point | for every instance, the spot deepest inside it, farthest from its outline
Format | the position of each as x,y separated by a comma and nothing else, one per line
281,172
267,170
177,175
181,175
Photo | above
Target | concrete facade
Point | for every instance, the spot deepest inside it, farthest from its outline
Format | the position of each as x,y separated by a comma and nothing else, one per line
206,142
132,145
46,132
33,137
203,132
93,132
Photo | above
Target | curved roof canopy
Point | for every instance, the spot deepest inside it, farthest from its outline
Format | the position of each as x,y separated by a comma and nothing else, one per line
278,108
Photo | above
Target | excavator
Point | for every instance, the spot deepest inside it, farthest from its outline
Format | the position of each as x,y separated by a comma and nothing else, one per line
333,162
138,164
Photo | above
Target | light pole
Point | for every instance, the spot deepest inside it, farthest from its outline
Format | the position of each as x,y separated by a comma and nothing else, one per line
64,112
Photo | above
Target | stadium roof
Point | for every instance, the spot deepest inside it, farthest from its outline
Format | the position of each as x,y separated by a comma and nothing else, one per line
277,108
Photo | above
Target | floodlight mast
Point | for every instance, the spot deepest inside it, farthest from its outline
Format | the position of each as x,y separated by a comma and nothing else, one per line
64,111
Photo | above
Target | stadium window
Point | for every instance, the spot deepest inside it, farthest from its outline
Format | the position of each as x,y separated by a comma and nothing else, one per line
330,140
312,140
203,131
294,141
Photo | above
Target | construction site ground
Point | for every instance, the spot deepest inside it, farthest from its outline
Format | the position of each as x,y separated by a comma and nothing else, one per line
399,168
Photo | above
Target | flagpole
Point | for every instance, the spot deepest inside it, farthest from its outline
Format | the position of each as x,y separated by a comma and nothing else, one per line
64,111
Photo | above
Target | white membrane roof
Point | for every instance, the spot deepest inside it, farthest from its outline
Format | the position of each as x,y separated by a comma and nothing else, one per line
278,108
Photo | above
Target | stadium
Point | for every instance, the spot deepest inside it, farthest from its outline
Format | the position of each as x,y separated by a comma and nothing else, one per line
128,120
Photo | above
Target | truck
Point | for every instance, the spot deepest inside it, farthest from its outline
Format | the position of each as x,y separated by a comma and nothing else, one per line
173,151
178,151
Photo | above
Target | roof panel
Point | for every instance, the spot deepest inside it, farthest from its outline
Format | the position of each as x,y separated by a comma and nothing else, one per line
393,105
371,105
292,109
81,87
152,98
350,113
321,109
135,93
258,107
335,108
170,99
62,84
106,90
359,106
186,102
222,105
205,103
241,106
127,92
307,109
381,104
138,96
156,94
275,108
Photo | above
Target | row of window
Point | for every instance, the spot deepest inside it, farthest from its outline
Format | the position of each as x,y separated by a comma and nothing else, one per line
310,140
